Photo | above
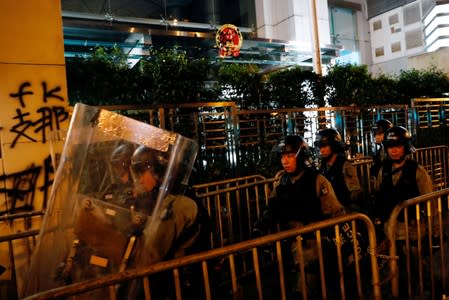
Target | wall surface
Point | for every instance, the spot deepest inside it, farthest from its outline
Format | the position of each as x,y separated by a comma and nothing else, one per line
290,21
33,103
437,59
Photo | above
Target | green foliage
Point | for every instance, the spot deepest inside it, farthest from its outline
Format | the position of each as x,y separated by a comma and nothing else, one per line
422,83
241,83
104,78
170,76
382,90
294,88
348,84
173,77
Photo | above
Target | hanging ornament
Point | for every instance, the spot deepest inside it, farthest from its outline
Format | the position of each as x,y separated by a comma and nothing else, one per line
228,40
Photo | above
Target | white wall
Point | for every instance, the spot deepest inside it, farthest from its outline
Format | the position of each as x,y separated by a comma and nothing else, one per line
399,40
289,20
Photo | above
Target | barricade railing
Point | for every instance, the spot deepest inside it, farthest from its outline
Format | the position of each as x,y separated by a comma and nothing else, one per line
436,161
203,188
234,206
363,166
418,236
18,247
269,281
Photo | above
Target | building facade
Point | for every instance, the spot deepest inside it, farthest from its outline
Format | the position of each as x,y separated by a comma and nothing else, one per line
388,36
408,34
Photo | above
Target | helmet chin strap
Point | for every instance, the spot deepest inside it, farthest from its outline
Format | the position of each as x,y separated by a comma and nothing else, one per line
297,152
297,156
304,163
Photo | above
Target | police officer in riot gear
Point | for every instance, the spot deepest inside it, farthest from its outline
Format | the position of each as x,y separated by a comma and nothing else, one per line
379,129
176,215
120,190
147,167
299,177
91,235
176,222
301,195
399,178
337,169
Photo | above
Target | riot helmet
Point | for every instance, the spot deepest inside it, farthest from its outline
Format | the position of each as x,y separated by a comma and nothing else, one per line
398,135
121,157
144,159
330,137
297,145
381,126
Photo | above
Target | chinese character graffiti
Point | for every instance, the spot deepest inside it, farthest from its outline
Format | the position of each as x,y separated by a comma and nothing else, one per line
44,119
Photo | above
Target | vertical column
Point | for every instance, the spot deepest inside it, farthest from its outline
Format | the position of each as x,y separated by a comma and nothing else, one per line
315,39
33,102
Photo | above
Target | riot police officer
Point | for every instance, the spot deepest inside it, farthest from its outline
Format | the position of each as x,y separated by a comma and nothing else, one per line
379,129
173,219
299,177
176,222
399,178
301,195
120,189
337,169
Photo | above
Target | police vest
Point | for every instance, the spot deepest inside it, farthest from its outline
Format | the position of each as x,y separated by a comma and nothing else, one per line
391,195
336,177
297,201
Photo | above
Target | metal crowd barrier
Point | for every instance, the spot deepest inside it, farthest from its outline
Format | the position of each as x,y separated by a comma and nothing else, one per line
418,235
363,166
18,247
234,205
224,184
269,281
436,161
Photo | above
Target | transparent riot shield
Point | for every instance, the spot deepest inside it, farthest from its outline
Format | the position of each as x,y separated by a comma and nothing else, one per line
101,207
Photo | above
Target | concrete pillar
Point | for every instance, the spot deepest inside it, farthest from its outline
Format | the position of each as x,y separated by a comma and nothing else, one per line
33,102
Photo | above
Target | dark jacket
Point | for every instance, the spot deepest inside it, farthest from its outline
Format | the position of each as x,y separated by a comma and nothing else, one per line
390,195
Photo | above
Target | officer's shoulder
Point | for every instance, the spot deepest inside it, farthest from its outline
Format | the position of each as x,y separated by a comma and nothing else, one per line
279,174
421,170
320,178
179,202
178,205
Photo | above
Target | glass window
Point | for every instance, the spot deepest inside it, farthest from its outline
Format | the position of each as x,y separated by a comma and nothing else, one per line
377,25
379,51
343,28
413,39
412,14
393,19
396,47
237,12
